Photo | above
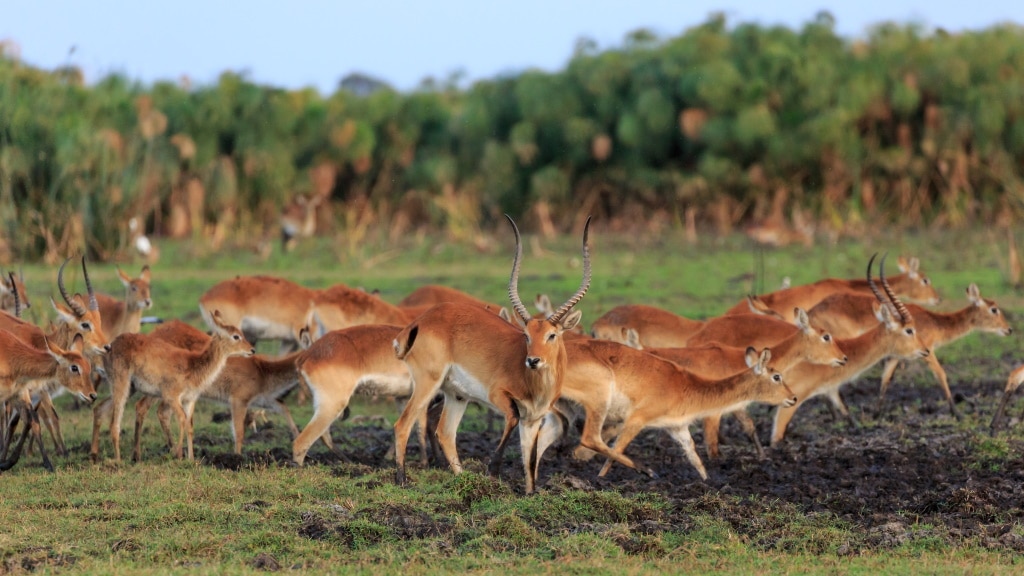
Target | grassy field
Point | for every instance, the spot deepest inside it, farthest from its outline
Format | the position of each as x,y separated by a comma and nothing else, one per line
166,516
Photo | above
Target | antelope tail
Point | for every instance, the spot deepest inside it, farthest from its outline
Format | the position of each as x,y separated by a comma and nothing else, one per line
405,339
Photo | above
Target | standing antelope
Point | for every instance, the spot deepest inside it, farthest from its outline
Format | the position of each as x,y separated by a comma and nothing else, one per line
13,287
432,294
1014,381
245,381
360,359
263,307
78,319
911,285
23,366
896,335
467,353
851,315
157,368
126,316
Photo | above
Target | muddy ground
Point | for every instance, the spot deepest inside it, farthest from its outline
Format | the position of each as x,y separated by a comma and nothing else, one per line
910,474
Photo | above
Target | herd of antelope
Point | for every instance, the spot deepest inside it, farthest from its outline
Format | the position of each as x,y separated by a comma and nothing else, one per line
640,367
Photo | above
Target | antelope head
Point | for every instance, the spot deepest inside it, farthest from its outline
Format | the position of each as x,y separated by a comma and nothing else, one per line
544,344
82,319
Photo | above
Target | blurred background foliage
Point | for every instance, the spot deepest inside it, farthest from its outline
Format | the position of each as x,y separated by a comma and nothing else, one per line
720,126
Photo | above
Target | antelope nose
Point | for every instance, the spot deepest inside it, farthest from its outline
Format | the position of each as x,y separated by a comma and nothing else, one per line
252,350
1009,331
532,362
106,347
92,397
845,359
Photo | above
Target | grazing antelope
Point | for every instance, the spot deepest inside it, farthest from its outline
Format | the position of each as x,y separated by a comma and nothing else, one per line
911,285
13,287
157,368
126,316
244,383
896,335
806,345
850,315
467,353
634,390
1012,383
360,359
23,366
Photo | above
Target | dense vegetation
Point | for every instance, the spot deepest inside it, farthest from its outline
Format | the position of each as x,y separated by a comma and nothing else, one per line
730,122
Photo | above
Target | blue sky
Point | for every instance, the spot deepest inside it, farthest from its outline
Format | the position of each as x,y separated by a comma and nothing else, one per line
315,43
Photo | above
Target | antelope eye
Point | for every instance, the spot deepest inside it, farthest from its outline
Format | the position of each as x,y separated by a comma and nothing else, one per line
86,326
827,337
909,331
551,337
994,310
236,337
135,288
925,281
75,369
777,378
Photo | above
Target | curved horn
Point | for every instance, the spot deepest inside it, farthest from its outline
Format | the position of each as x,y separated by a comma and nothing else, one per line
584,286
871,281
72,304
513,281
93,304
900,307
17,298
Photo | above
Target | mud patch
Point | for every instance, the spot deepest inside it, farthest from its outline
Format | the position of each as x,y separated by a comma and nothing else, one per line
34,559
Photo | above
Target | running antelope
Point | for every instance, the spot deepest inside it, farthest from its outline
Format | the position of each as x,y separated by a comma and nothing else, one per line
895,336
12,287
632,390
713,361
126,316
850,315
467,353
642,326
157,368
244,383
911,285
1012,383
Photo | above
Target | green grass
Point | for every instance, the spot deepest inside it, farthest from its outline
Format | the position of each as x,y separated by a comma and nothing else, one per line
166,516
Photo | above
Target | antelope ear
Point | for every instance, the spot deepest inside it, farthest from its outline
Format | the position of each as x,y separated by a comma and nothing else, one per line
125,279
903,264
885,314
63,314
974,295
305,338
801,319
543,304
766,357
78,344
145,274
571,320
751,357
632,338
504,315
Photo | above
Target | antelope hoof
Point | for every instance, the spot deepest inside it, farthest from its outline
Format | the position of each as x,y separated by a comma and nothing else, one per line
650,473
494,468
956,413
400,477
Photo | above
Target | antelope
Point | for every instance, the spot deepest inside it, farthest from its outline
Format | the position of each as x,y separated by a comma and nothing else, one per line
1012,383
263,307
157,368
910,285
431,294
78,319
13,288
635,390
298,220
895,335
126,316
360,359
654,327
245,382
23,367
806,345
467,353
849,315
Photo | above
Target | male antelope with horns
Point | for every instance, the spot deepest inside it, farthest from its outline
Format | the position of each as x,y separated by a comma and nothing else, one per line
468,353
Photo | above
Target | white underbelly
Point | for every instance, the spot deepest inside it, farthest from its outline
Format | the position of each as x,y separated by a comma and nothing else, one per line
263,329
461,383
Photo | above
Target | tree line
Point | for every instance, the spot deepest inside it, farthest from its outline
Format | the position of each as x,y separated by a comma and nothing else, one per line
724,123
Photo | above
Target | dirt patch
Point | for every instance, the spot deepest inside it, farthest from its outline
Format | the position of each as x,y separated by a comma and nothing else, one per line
912,465
34,559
